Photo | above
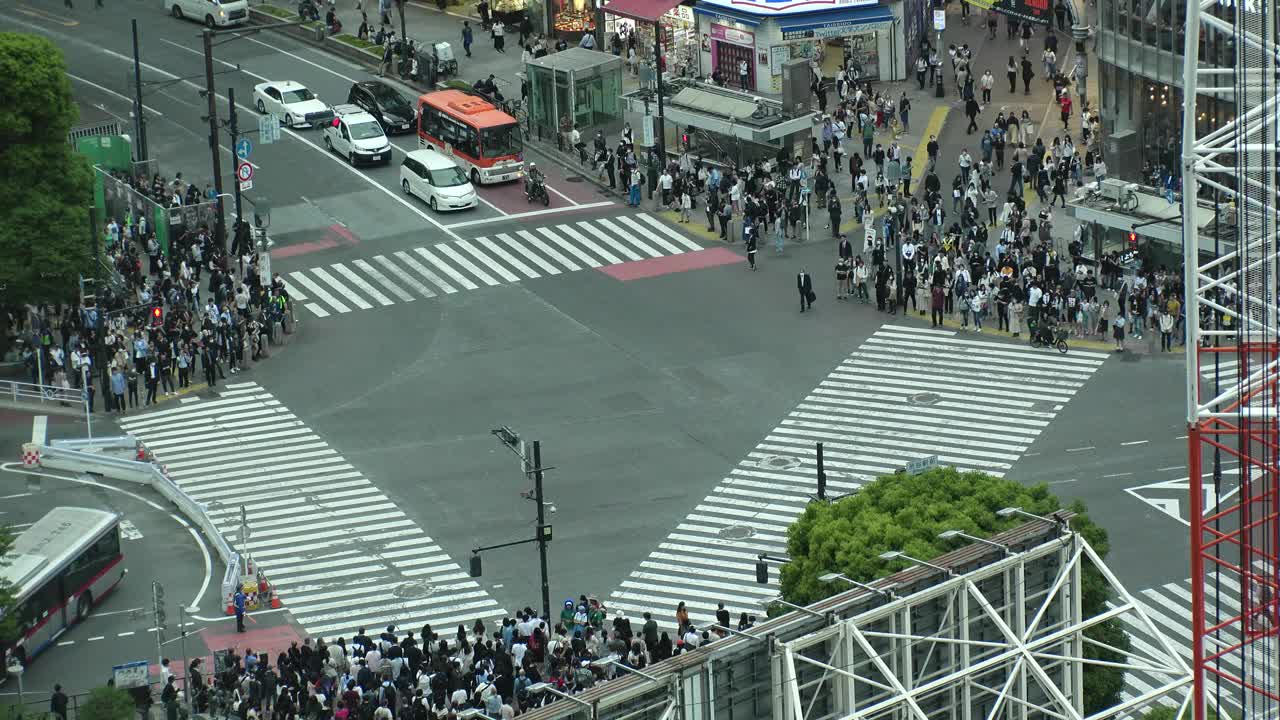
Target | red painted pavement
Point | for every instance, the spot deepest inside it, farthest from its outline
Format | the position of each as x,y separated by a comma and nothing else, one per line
654,267
509,197
303,248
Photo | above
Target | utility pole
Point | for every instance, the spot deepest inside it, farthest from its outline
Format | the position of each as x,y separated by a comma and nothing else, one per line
139,119
220,229
822,475
235,161
542,527
659,125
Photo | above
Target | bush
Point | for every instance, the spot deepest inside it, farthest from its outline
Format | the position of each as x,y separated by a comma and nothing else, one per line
907,512
108,703
356,42
277,12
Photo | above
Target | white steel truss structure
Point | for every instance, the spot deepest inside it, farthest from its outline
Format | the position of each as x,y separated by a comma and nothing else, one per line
1232,326
999,642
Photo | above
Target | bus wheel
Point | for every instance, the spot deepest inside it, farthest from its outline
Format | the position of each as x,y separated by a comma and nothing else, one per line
84,606
475,177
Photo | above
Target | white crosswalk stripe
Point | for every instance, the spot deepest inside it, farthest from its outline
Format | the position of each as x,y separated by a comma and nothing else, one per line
1169,608
245,449
445,268
907,393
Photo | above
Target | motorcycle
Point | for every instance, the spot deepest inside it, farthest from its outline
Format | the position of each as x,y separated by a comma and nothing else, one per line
1048,335
536,189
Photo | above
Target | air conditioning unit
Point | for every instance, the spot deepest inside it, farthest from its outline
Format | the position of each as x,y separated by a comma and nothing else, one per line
1114,189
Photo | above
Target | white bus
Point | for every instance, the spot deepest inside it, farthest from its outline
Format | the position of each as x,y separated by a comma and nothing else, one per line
58,568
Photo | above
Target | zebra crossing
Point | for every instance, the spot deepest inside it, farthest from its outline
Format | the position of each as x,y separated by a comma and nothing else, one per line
905,394
306,507
463,265
1169,608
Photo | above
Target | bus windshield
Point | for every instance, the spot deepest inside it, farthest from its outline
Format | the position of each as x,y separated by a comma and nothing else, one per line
500,141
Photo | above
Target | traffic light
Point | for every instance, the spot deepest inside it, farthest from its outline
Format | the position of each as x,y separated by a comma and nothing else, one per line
1133,239
762,571
157,316
475,565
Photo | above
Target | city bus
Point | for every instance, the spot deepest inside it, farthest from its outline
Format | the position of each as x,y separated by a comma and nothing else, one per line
483,140
58,569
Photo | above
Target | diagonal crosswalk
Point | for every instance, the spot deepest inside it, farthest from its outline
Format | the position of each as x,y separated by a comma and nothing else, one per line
504,258
305,506
906,393
1169,607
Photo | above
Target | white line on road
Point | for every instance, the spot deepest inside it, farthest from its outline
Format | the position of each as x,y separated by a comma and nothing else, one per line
1171,468
126,633
1136,442
1064,482
1116,475
532,213
109,91
97,637
16,495
1082,449
299,58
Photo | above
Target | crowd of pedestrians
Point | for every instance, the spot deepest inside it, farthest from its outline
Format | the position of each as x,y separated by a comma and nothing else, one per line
523,662
164,318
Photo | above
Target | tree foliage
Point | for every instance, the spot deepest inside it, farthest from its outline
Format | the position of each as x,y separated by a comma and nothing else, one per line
45,188
108,703
907,513
8,601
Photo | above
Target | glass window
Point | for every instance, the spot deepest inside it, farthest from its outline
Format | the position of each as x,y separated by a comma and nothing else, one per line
501,141
448,177
388,97
298,95
365,131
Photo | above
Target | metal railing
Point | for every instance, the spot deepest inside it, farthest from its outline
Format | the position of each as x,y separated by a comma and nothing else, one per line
20,392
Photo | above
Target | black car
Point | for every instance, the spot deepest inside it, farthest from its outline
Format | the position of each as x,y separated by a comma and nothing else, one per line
392,109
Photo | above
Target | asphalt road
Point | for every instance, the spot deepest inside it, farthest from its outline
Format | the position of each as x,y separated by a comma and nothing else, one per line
645,386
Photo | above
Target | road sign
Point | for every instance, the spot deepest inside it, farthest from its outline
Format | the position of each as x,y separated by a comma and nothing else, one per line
939,20
244,171
246,185
915,467
243,148
269,128
131,675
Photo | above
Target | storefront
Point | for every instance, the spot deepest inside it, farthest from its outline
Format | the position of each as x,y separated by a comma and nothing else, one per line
867,34
571,19
639,18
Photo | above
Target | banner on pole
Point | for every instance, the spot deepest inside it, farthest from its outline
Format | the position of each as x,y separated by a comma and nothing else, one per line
1036,11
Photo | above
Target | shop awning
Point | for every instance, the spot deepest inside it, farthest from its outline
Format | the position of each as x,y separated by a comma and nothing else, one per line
715,11
836,22
642,10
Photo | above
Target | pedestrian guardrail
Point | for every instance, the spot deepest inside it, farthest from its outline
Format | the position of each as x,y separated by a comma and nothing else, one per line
127,442
71,455
20,392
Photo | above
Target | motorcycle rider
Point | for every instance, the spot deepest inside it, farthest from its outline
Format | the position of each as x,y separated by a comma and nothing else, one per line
533,180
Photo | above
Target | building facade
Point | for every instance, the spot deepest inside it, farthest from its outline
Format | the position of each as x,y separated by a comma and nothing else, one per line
765,34
1139,46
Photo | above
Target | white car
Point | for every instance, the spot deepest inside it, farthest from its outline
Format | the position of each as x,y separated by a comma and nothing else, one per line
357,136
435,178
297,106
213,13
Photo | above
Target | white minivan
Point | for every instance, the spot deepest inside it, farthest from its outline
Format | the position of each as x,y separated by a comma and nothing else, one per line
210,12
433,177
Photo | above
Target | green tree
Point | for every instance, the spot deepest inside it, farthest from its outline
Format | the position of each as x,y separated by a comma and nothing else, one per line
907,512
8,602
108,703
46,188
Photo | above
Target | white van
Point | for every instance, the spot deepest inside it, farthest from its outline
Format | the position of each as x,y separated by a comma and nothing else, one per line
210,12
433,177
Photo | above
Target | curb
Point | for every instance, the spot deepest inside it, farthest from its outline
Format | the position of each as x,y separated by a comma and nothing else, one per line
308,35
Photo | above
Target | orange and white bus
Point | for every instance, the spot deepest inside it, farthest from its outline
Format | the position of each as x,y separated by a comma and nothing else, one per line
483,140
59,568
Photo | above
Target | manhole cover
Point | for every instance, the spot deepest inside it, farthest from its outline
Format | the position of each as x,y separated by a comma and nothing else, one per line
924,398
1043,406
736,532
779,462
574,178
418,589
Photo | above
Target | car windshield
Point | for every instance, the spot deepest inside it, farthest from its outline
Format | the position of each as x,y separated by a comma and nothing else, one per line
500,141
447,177
388,98
365,131
297,96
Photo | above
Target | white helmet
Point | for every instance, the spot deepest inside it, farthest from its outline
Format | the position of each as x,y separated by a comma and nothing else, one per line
532,165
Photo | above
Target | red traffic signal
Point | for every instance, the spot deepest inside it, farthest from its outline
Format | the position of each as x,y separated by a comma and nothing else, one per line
157,316
1133,238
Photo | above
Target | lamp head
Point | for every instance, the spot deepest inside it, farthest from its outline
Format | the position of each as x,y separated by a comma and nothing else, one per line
948,534
1006,512
891,555
828,577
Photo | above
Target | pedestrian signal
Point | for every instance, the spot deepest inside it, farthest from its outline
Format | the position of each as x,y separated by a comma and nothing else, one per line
157,316
475,565
762,572
1133,238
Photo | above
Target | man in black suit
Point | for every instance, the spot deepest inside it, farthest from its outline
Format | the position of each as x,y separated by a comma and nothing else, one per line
804,283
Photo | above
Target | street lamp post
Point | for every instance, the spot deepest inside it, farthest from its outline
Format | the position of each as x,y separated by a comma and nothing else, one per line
832,576
949,534
139,119
1053,518
220,226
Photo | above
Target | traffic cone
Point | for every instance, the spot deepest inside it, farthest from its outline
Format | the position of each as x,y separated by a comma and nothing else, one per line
231,607
275,600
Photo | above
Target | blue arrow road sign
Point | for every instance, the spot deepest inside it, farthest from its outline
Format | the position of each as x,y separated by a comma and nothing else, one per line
243,148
